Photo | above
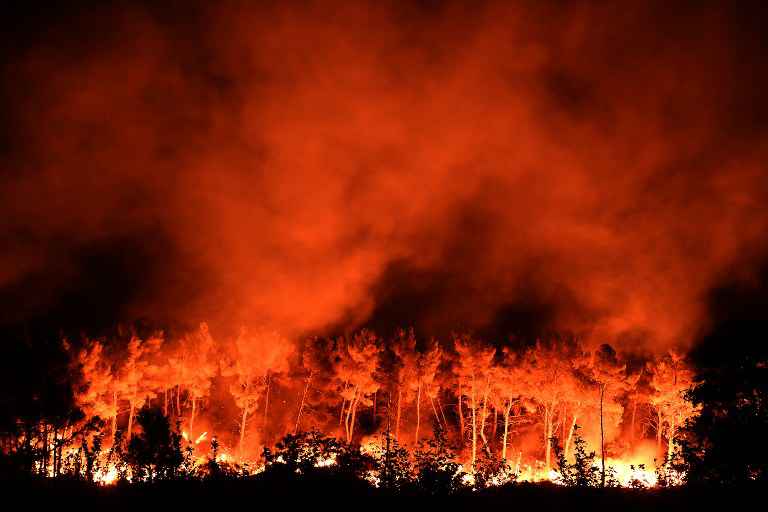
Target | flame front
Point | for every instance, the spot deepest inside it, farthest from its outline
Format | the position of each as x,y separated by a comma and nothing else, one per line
529,412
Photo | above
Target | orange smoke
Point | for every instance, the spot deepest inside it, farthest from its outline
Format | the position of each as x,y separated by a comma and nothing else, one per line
314,168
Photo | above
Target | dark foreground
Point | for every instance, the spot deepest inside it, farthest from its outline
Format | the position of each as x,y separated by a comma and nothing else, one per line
337,493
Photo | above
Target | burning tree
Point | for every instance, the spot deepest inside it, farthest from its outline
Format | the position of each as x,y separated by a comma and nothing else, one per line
131,383
498,391
356,362
94,392
473,372
317,365
670,378
404,370
508,391
546,371
609,376
416,373
255,358
196,366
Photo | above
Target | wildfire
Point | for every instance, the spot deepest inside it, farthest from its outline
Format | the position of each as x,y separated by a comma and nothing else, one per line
513,407
108,477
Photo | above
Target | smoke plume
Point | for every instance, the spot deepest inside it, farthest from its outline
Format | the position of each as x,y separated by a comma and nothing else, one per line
509,167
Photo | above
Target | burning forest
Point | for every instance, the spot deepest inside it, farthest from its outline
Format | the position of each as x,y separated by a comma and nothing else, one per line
391,248
510,414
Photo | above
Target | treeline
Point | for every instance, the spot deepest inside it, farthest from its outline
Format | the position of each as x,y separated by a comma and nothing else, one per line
157,453
490,402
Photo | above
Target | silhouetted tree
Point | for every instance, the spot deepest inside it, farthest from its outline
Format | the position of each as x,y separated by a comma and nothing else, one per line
725,442
436,470
584,472
302,452
156,452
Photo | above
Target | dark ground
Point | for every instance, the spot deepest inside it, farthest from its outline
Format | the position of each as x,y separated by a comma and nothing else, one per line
340,494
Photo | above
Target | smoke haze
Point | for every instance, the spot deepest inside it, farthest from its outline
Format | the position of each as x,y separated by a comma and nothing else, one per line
505,167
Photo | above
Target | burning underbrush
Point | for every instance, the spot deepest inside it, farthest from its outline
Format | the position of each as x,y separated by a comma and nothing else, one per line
381,463
399,413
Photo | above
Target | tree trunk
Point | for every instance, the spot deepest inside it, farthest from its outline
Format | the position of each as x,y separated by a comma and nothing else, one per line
266,403
602,438
178,400
418,414
352,424
397,417
634,414
484,415
165,402
495,423
242,429
474,426
670,438
343,402
461,415
564,416
55,450
301,405
192,418
114,417
659,423
570,436
442,412
507,409
130,420
434,409
44,462
347,425
547,435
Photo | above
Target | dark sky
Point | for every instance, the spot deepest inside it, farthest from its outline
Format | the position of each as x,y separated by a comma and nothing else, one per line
511,168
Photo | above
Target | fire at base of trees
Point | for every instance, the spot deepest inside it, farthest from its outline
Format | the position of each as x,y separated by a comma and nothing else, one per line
401,414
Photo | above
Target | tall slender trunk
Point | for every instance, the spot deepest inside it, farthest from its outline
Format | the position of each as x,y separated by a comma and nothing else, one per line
670,437
547,435
114,416
461,414
507,410
347,425
659,420
44,462
242,430
570,435
55,450
374,405
352,421
192,418
474,426
442,412
602,438
343,402
418,413
484,415
495,423
165,402
434,409
397,417
130,420
266,402
303,400
632,425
